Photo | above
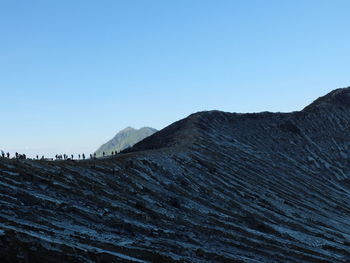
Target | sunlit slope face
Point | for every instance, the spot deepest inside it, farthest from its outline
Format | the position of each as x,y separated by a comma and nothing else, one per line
213,187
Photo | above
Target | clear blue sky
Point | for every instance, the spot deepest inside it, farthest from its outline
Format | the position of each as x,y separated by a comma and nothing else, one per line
73,73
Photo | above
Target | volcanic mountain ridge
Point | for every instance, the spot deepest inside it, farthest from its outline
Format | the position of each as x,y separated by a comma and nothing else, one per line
213,187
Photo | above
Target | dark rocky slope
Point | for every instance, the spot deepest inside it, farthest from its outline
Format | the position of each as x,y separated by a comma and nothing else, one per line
214,187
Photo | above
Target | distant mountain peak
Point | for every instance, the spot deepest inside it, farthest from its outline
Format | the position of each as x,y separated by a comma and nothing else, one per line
124,139
127,129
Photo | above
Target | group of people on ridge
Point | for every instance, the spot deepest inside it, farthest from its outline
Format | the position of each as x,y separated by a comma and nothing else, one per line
57,156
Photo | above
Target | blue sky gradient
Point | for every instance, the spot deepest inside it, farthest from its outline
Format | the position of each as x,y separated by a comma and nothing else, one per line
73,73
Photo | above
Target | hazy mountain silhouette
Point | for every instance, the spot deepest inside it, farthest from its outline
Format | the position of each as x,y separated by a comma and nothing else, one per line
212,187
125,139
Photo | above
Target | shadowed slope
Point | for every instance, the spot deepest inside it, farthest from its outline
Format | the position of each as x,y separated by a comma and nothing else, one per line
339,97
214,187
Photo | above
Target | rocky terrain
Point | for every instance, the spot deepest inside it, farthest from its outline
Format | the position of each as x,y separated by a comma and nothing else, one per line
124,139
213,187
